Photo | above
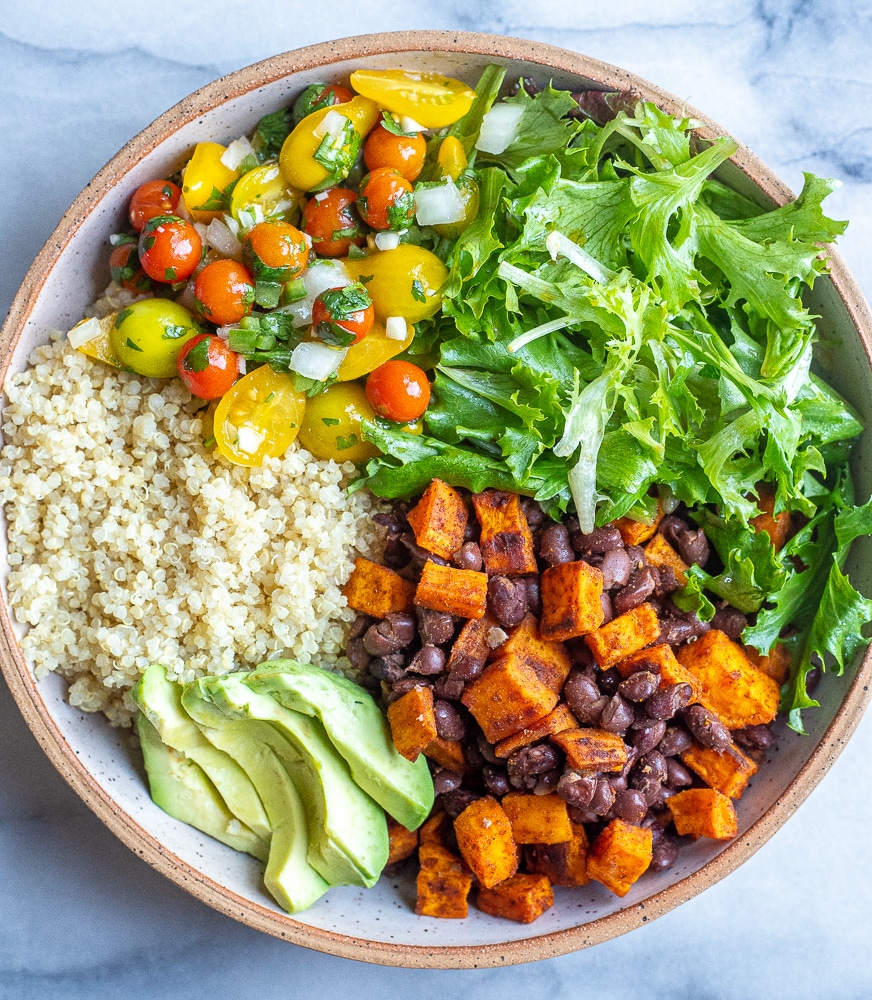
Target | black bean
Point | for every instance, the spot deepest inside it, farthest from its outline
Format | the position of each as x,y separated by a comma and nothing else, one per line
606,603
583,697
618,782
639,587
707,728
603,798
360,624
617,716
677,630
525,766
664,853
639,686
532,511
630,805
496,781
576,789
599,541
395,555
579,652
650,765
506,600
487,750
449,722
390,668
609,680
554,545
754,737
730,621
403,686
455,802
615,568
675,741
468,556
394,632
446,781
419,555
435,627
357,654
428,660
647,735
667,581
651,789
534,595
677,775
637,557
449,686
663,704
547,782
464,666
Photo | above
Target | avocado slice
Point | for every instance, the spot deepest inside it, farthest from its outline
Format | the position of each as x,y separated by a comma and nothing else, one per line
358,729
161,701
181,788
348,839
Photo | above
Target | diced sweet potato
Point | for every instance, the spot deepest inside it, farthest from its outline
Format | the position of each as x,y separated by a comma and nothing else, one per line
537,819
521,897
447,753
458,591
376,590
660,553
728,771
732,686
571,600
775,665
549,660
637,532
484,838
413,722
439,519
443,883
703,812
507,697
619,855
624,635
471,645
435,829
506,542
671,671
554,722
564,864
777,525
403,843
592,749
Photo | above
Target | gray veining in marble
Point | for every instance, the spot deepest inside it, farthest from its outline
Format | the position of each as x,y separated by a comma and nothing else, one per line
80,916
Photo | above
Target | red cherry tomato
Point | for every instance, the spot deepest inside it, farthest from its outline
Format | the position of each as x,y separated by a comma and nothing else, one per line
331,220
152,199
126,271
343,316
398,390
385,200
275,251
405,153
224,291
169,249
207,366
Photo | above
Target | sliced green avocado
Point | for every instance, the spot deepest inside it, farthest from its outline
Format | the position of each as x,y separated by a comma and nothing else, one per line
161,701
181,788
290,878
348,838
358,729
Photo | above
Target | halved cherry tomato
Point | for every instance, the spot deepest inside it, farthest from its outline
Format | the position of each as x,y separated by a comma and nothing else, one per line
431,99
207,366
262,193
317,96
343,316
206,184
259,417
405,153
331,220
401,282
126,270
150,199
331,427
385,199
169,249
399,391
224,291
275,251
375,349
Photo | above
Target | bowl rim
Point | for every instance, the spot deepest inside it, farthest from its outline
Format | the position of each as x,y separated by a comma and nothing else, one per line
22,683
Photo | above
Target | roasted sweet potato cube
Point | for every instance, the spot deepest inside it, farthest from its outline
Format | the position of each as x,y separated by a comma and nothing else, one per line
506,542
554,722
775,665
728,771
619,855
471,648
439,519
413,722
436,829
402,842
624,635
376,590
458,591
507,697
703,812
548,659
447,753
776,525
592,749
521,897
663,660
484,838
571,600
660,553
537,819
732,686
637,532
565,863
443,883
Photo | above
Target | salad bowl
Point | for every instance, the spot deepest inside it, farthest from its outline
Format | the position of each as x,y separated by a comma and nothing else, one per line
379,924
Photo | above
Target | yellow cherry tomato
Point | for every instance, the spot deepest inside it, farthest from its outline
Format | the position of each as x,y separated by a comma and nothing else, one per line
452,157
375,348
262,194
331,426
431,99
205,181
335,151
401,282
259,417
147,336
94,338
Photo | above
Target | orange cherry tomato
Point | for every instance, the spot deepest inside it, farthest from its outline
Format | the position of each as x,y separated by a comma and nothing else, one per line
385,200
207,366
275,251
151,199
169,249
331,220
317,96
343,316
405,153
398,390
224,291
125,269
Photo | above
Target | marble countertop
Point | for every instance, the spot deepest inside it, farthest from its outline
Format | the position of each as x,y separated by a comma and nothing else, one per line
80,915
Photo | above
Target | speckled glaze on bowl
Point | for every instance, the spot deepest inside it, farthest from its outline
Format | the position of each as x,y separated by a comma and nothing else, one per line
379,925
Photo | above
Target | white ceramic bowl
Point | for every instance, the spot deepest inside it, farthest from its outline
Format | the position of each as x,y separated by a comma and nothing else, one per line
379,925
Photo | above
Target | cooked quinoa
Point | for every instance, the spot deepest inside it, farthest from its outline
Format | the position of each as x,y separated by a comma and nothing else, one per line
132,543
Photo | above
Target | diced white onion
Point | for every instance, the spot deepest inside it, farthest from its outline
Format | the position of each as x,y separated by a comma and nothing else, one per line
333,124
242,364
248,440
439,205
231,223
220,238
499,128
314,360
395,328
320,196
387,240
236,152
408,124
318,278
187,298
81,333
